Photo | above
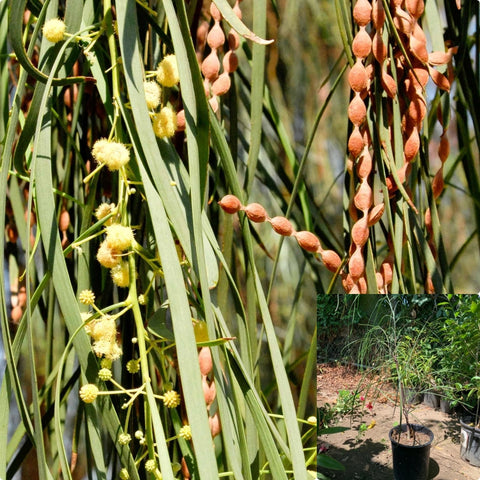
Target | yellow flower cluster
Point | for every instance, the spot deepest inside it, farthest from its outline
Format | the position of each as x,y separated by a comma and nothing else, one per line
165,123
88,393
185,432
113,154
167,71
153,94
87,297
119,238
120,274
54,30
171,399
104,334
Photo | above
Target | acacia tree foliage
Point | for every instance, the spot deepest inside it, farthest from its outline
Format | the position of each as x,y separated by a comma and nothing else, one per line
132,289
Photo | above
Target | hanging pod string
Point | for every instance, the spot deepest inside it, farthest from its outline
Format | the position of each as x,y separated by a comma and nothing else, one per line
15,23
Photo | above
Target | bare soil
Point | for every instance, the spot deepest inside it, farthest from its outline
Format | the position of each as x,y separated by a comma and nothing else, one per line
367,455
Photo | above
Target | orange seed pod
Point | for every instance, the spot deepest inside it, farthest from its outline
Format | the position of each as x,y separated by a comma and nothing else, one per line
362,44
222,84
282,226
205,360
357,111
216,37
357,77
255,212
308,241
331,260
362,13
230,204
356,265
375,214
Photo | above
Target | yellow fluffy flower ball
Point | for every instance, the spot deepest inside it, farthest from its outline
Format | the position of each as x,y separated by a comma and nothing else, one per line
120,274
152,94
167,71
88,393
119,237
54,30
113,154
171,399
165,123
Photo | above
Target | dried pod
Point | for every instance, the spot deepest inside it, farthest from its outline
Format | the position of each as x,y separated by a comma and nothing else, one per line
416,111
356,264
438,183
355,142
16,314
360,232
386,270
357,77
222,84
419,49
444,148
389,84
331,260
347,282
378,14
441,81
233,40
439,58
205,360
215,425
216,37
419,77
362,13
230,204
255,212
375,214
364,196
428,221
415,7
412,145
379,49
181,121
22,297
308,241
362,285
364,165
380,283
362,44
202,32
211,66
403,21
64,220
357,111
214,103
282,226
215,12
230,61
209,391
12,233
185,471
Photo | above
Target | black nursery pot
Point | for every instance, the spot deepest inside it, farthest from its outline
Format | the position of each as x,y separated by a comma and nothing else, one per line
410,462
470,442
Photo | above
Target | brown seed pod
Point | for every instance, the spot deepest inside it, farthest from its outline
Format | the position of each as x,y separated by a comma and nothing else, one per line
255,212
386,270
356,264
185,471
415,7
202,32
222,84
364,165
205,360
416,111
12,233
419,77
357,77
362,285
362,13
441,81
230,61
308,241
357,112
181,121
230,204
444,148
379,49
412,145
347,282
215,424
233,40
419,49
209,391
64,220
403,21
438,183
375,214
428,221
389,84
362,44
216,37
22,297
360,232
16,314
364,196
282,226
211,66
439,58
380,283
214,103
331,260
355,142
215,12
378,14
429,288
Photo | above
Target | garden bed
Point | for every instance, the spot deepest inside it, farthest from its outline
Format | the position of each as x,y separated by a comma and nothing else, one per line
367,454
